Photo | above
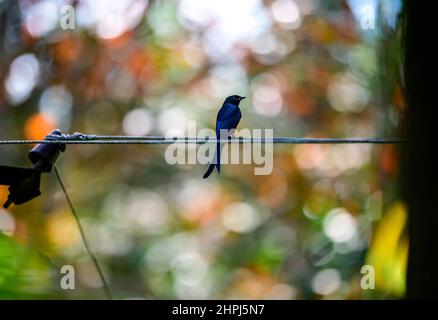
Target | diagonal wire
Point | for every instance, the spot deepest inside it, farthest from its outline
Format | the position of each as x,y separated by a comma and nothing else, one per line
82,232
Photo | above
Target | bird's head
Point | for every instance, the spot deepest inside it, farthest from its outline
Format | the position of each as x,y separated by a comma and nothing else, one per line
234,99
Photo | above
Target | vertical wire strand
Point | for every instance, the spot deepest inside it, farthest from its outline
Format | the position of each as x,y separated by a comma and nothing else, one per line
82,232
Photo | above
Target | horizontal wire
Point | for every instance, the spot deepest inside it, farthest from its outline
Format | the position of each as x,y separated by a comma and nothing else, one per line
95,139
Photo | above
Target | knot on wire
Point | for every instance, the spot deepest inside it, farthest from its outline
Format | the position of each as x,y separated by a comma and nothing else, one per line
57,135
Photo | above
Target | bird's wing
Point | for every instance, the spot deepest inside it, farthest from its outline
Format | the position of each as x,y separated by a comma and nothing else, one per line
228,117
228,110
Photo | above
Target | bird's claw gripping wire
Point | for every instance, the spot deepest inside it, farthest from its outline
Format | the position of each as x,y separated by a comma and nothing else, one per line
24,183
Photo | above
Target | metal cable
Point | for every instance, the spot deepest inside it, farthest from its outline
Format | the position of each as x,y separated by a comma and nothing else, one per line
80,138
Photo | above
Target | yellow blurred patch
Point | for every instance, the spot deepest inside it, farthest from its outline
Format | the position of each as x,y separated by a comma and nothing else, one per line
3,193
62,230
389,250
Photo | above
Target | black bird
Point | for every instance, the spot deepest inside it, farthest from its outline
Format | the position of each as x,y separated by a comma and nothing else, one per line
228,118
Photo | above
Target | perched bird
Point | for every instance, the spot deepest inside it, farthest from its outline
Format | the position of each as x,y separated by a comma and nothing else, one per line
228,118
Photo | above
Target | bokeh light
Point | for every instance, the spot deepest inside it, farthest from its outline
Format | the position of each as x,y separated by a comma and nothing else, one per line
22,78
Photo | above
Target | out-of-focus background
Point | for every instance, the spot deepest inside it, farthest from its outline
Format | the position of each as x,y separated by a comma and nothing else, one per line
308,68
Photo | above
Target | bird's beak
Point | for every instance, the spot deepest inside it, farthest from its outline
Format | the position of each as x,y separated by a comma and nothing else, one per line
241,98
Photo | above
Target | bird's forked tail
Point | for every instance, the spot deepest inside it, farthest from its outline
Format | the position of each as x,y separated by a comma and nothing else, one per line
215,164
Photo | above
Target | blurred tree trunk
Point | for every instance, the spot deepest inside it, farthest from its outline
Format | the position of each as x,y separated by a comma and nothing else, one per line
419,182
